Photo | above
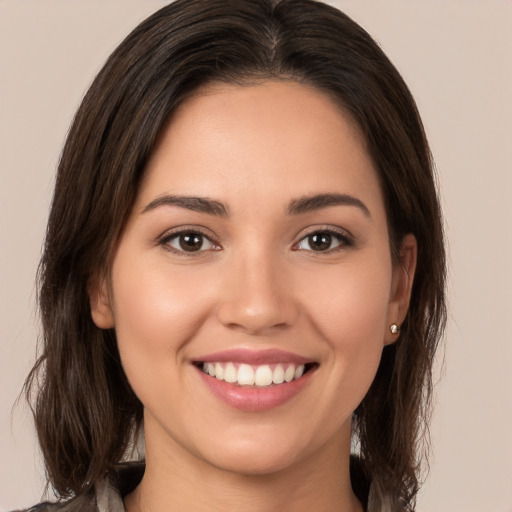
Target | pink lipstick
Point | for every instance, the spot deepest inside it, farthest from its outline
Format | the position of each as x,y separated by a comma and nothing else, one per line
255,381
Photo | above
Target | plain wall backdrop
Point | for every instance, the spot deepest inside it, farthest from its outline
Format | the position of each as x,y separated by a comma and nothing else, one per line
456,56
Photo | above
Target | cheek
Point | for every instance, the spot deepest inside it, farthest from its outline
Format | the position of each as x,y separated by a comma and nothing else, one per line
349,308
351,302
156,312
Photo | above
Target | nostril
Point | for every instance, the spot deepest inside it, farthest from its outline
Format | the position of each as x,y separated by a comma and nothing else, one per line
256,326
256,308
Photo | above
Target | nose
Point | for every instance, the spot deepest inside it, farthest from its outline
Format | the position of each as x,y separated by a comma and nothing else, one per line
257,297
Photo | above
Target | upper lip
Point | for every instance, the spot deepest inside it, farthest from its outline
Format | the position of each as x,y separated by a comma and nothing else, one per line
255,357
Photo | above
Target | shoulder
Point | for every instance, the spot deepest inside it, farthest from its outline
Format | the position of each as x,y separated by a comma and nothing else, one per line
86,503
43,507
106,496
80,504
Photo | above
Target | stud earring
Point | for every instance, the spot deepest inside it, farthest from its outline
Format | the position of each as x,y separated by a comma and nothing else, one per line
394,328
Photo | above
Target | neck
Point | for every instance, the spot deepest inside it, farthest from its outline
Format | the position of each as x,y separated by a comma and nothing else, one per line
176,480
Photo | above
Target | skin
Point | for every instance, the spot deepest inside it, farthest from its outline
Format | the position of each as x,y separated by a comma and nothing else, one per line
257,285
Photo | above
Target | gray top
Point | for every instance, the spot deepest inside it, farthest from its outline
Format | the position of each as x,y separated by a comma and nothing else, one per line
109,500
108,493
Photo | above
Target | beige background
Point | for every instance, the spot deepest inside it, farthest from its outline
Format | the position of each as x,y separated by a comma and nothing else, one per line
456,56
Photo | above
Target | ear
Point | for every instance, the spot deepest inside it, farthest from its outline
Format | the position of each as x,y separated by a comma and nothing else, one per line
401,286
99,299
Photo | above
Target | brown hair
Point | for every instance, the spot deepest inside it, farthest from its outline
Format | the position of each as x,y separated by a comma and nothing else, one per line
85,411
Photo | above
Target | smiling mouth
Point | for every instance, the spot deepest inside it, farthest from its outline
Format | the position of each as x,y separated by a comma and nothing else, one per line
259,376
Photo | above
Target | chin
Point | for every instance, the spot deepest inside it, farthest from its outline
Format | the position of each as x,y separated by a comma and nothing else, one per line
262,452
253,461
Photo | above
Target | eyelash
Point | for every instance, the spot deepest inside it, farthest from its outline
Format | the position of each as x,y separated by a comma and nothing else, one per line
344,238
345,241
166,239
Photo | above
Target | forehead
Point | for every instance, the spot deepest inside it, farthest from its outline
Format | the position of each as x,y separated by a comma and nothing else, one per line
268,139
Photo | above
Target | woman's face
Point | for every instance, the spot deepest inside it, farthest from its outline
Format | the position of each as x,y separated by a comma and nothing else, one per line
257,249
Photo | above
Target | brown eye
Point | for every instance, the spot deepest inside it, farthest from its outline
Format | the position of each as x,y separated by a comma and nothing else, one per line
323,241
320,241
188,242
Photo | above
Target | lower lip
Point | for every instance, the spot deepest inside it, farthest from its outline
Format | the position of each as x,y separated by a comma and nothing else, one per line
254,399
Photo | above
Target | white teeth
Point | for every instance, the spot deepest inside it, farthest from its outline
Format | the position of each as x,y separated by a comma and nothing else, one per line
278,375
230,373
263,376
219,371
260,375
299,371
245,375
289,374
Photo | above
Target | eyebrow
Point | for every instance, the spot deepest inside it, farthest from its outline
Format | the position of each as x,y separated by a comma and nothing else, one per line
196,204
296,206
316,202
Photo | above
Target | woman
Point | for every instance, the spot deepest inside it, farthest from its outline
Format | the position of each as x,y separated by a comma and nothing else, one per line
245,255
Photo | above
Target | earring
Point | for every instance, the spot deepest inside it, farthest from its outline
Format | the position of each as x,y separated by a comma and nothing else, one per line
394,328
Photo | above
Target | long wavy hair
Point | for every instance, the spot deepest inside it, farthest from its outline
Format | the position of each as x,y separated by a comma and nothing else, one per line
85,411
